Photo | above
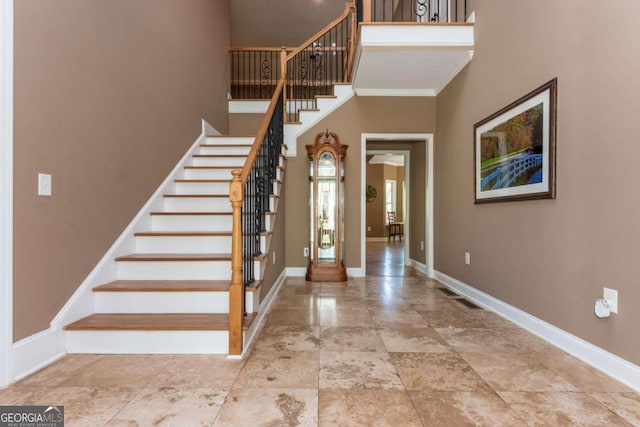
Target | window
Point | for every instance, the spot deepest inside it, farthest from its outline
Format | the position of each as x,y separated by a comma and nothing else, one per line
389,198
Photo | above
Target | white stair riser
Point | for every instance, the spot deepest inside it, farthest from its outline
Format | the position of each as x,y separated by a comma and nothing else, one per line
197,204
342,90
168,302
162,302
244,140
202,187
183,244
177,270
218,161
240,151
324,103
208,173
202,223
174,270
147,342
307,116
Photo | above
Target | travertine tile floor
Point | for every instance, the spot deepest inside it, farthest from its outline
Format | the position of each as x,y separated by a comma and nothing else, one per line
386,350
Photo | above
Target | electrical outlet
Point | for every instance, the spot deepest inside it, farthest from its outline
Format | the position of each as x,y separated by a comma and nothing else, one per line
306,252
44,184
368,228
611,295
274,257
422,245
467,258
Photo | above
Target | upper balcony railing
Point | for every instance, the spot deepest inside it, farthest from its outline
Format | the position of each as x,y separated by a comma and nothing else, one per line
421,11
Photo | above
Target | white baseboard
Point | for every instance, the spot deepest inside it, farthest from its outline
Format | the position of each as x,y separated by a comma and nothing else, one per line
296,271
35,352
377,239
302,271
612,365
265,305
422,268
356,272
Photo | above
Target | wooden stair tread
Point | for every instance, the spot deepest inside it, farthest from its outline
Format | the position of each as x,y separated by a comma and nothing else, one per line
156,322
232,136
164,286
175,257
183,233
326,96
191,213
224,145
213,167
196,195
308,109
220,155
191,233
202,180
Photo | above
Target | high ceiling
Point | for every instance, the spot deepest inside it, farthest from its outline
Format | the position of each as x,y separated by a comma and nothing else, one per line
280,22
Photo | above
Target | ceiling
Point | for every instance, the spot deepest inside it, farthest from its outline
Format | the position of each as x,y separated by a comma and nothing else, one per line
410,60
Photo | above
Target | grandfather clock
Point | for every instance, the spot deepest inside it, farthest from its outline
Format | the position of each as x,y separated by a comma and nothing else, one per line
326,208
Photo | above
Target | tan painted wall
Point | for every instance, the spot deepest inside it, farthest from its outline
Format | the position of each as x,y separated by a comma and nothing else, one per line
244,123
280,22
358,115
108,96
551,258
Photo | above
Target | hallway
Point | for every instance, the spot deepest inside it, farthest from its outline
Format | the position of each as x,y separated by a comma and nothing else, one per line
375,351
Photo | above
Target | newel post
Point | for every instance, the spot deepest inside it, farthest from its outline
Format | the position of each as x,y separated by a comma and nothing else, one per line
236,288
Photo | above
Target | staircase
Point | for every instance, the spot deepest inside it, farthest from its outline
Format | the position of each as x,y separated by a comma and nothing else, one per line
164,299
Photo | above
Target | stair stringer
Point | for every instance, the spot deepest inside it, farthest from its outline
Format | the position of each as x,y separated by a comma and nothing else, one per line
82,303
342,93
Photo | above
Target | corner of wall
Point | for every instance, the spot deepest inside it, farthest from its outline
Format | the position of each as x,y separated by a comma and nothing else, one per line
6,190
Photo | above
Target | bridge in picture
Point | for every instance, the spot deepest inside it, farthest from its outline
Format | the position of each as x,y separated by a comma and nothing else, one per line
507,173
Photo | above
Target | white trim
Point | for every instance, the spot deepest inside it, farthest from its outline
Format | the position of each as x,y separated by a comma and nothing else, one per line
377,239
395,92
356,272
612,365
428,138
296,271
429,220
35,352
248,106
262,311
422,268
425,36
462,62
209,130
6,191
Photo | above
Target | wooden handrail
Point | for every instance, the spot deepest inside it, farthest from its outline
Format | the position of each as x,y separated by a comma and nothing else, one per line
262,131
348,7
259,49
236,197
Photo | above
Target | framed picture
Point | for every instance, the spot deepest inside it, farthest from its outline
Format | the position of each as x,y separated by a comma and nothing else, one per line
515,149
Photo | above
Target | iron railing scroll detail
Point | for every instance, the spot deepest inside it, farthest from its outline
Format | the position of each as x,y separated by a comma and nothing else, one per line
250,191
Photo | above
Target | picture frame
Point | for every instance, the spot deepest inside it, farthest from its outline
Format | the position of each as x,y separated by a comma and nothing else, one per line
515,149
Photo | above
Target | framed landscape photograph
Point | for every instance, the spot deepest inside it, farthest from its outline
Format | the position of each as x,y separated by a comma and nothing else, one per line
515,149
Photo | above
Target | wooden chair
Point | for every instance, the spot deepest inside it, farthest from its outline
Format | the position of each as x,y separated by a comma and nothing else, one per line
396,228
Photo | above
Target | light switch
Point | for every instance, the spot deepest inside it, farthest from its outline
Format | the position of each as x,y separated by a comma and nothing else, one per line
44,184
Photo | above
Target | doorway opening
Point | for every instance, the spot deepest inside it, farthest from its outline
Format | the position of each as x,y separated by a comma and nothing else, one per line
398,169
